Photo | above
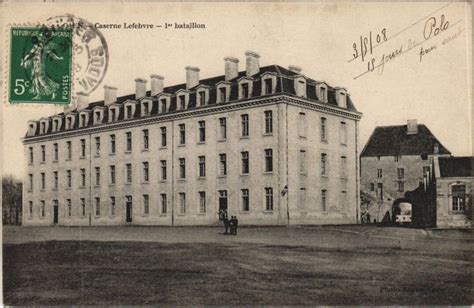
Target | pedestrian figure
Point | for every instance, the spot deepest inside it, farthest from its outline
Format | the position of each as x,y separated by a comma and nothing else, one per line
226,225
368,218
231,225
236,223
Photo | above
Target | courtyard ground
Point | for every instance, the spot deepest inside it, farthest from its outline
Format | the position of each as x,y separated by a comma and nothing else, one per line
332,265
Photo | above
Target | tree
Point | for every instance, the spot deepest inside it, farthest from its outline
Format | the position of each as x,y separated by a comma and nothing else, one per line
11,200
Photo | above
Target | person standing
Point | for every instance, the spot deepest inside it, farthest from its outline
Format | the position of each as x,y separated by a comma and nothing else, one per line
226,224
236,223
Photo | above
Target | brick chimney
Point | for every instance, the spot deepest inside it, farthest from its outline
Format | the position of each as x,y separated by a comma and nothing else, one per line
110,95
140,88
231,68
295,69
252,65
82,100
156,84
412,127
192,76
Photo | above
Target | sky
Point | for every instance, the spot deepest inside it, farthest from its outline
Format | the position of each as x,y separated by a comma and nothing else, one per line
321,38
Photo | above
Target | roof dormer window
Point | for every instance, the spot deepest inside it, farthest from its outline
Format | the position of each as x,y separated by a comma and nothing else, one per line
182,99
245,87
300,86
223,92
70,119
129,110
322,92
245,90
163,103
341,97
113,113
56,124
146,108
83,119
182,102
269,81
98,116
44,125
32,128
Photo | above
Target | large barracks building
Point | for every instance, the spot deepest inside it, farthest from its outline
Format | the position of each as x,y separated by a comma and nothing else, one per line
267,144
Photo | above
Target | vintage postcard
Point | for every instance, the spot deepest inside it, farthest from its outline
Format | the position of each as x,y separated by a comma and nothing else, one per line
236,153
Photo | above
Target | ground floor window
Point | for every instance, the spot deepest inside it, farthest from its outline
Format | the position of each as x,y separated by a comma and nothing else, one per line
182,203
83,207
269,198
458,193
163,204
245,200
324,200
30,203
97,206
146,204
202,202
401,186
42,208
68,208
112,206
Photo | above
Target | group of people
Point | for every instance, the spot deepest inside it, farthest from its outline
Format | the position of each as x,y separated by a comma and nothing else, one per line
229,224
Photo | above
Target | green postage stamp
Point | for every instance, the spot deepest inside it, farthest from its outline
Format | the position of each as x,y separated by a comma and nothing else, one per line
40,65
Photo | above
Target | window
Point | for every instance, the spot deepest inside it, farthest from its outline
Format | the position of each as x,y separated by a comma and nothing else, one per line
343,201
42,208
83,177
202,166
202,98
245,125
182,168
372,187
163,170
146,172
56,180
268,86
303,161
323,200
30,180
97,206
202,202
68,178
202,131
245,200
97,146
68,208
222,164
182,102
268,122
68,122
400,173
129,111
113,114
129,141
112,144
343,167
97,176
163,204
97,116
30,208
182,203
69,150
83,207
43,181
83,120
245,90
302,203
343,133
83,147
396,158
269,198
145,139
324,164
222,128
145,110
31,154
163,136
56,152
112,206
401,186
222,94
245,162
112,174
268,160
43,153
322,94
323,130
128,168
302,124
458,194
146,204
182,134
379,173
163,104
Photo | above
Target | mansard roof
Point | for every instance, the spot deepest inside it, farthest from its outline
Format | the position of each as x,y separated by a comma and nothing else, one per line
285,85
394,141
456,166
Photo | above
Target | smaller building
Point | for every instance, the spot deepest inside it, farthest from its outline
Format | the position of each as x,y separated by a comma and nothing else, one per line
454,178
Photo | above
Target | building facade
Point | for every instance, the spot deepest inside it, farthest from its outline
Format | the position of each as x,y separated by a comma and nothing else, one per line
395,160
267,144
454,180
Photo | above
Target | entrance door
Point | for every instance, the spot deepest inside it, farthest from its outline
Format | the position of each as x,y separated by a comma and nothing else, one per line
223,200
55,214
128,210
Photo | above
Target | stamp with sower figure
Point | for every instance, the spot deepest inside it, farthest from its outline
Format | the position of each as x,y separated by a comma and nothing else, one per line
40,65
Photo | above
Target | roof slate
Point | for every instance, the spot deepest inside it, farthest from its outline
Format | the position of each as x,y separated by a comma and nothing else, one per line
456,166
394,141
